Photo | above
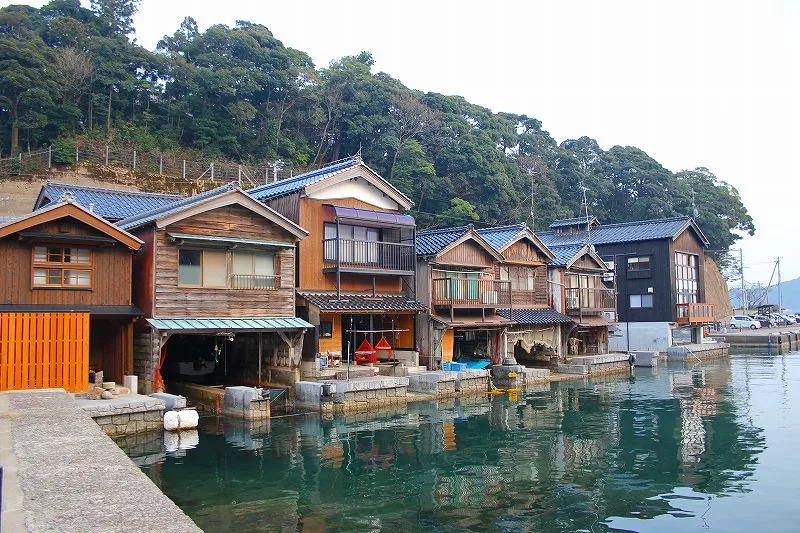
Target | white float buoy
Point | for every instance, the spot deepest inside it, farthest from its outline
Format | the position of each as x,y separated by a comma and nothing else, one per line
171,421
188,419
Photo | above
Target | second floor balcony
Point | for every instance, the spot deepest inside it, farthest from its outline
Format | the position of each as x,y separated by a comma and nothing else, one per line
589,301
471,293
369,257
695,313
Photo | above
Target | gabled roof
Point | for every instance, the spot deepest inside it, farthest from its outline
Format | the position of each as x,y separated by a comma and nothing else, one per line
111,204
577,221
300,182
71,209
564,254
567,255
501,237
435,242
644,230
215,198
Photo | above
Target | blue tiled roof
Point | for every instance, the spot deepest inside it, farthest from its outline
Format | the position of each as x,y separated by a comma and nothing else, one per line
431,242
564,222
534,316
499,236
644,230
564,254
297,183
149,216
111,204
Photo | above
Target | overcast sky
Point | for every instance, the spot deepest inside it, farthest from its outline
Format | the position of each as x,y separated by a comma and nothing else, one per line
692,83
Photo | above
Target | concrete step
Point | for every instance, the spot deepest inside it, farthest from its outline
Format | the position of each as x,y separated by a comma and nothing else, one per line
416,369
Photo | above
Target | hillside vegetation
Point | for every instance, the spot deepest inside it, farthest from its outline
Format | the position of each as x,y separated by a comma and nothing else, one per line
70,72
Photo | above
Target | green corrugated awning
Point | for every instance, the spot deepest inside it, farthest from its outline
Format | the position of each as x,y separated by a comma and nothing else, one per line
215,325
226,241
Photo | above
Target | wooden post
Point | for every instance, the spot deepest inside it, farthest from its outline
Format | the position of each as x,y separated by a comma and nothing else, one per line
260,343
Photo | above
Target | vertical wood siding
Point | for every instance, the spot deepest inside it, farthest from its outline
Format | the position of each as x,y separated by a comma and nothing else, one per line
44,350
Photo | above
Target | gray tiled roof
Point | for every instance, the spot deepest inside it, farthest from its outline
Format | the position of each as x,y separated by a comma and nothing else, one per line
362,302
644,230
149,216
111,204
534,316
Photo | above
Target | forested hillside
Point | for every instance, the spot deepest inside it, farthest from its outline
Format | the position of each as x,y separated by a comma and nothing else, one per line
238,92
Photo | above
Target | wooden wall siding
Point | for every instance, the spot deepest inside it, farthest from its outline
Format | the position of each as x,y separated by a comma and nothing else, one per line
688,243
172,300
232,221
111,277
288,206
586,262
310,275
539,296
524,250
468,253
144,272
44,350
111,348
334,342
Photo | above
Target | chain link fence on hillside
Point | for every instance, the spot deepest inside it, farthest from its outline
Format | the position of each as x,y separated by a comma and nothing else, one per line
146,162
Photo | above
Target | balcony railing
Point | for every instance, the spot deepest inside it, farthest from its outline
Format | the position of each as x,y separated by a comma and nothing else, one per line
695,313
368,255
253,281
594,300
476,293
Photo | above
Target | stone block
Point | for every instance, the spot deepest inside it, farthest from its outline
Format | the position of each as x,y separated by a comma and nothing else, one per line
171,401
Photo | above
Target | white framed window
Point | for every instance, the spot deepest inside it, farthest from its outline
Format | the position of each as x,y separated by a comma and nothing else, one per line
223,269
638,264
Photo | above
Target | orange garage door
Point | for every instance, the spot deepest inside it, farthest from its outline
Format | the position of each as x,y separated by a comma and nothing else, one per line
44,350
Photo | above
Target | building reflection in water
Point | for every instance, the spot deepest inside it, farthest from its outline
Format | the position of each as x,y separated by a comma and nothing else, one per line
555,457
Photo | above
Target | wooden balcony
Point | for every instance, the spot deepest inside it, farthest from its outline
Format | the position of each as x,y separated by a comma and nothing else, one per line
694,313
369,257
458,293
593,301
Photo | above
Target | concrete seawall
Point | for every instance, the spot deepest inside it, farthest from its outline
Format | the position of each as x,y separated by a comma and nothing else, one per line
62,473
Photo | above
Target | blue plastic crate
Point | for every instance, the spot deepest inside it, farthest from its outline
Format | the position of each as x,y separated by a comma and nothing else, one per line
454,367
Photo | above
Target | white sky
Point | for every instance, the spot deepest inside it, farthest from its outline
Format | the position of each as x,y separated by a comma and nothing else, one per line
692,83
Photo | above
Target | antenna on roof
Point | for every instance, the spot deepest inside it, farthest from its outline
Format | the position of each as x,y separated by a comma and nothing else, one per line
533,202
357,157
588,222
66,197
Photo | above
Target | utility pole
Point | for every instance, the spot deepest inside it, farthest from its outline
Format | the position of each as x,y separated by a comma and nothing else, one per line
780,291
741,275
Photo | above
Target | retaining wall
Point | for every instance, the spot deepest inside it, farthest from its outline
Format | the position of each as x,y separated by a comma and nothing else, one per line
125,415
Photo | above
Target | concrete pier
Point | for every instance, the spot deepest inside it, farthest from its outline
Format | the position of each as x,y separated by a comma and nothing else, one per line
592,365
62,473
697,352
125,415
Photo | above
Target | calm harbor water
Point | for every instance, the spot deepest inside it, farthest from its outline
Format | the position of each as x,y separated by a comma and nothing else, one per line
682,448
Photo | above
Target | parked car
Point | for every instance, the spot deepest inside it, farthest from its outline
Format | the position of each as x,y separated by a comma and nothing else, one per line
744,321
789,320
764,320
780,320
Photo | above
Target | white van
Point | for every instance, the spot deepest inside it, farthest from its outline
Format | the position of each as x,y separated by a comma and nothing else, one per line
742,321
